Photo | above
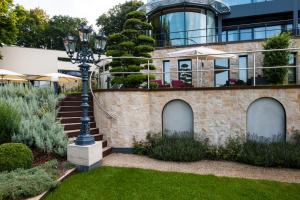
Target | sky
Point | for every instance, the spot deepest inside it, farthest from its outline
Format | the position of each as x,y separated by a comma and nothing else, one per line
89,9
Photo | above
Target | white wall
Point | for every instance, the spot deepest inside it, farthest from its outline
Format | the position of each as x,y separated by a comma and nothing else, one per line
31,61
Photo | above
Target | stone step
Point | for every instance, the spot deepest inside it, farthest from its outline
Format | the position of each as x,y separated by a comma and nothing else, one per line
75,133
73,103
106,151
66,120
75,98
76,126
73,114
72,108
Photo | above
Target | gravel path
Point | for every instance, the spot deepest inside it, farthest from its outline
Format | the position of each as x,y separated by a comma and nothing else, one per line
217,168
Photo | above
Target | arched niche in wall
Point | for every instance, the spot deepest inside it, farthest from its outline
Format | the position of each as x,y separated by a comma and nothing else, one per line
178,118
266,119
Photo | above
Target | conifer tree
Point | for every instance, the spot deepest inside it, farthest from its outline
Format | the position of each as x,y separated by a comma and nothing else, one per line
133,41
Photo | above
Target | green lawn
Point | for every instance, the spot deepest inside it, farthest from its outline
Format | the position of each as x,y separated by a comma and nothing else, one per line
126,183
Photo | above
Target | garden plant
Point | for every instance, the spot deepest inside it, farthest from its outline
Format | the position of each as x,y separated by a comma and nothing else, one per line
37,108
131,42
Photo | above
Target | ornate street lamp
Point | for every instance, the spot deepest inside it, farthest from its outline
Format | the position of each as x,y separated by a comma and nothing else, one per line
83,57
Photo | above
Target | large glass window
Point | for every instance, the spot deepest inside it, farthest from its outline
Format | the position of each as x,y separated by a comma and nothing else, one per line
273,31
246,34
260,33
243,65
185,28
233,35
167,70
185,65
222,72
292,72
173,26
195,27
211,27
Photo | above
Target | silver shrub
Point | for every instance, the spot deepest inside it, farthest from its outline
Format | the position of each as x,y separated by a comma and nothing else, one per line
39,127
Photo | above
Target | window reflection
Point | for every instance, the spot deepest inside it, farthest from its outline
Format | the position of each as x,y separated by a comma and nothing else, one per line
185,28
221,74
292,72
246,34
185,65
167,75
243,64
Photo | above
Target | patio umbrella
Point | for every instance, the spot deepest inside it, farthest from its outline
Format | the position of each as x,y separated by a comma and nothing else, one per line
14,80
58,77
5,74
203,53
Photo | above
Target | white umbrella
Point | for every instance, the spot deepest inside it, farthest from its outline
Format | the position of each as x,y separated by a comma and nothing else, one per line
58,77
203,53
4,74
15,80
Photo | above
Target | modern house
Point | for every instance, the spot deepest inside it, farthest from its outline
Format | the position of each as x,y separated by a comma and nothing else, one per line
206,110
228,25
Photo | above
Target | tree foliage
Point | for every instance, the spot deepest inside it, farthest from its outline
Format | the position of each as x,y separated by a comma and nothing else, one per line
59,27
31,27
276,58
131,42
112,21
8,29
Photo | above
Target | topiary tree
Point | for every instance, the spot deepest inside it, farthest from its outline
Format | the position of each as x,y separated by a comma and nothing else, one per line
276,58
133,41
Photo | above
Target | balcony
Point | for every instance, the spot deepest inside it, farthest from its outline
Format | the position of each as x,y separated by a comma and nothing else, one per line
243,2
239,33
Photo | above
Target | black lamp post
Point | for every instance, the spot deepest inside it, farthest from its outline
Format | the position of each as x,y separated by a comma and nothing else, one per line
83,57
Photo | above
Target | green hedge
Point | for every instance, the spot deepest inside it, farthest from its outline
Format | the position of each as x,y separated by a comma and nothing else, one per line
9,122
14,156
173,148
255,152
21,184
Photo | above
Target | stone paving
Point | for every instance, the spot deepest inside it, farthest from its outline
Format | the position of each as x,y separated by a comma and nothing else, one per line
217,168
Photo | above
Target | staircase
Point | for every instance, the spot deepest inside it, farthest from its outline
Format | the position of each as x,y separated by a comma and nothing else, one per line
70,114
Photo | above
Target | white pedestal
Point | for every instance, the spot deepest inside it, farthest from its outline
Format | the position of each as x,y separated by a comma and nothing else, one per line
85,157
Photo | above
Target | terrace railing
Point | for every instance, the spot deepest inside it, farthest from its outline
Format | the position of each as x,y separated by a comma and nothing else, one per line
199,72
243,32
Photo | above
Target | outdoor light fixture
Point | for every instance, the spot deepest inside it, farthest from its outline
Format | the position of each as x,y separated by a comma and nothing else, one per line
85,33
83,57
100,42
70,45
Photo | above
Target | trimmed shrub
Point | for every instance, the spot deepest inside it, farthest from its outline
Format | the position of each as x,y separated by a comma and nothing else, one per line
9,123
21,184
263,152
176,148
14,156
270,154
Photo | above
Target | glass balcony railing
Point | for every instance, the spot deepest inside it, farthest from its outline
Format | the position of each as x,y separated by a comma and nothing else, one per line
242,2
246,32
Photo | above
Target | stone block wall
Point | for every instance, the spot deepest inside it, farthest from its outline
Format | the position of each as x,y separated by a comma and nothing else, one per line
218,112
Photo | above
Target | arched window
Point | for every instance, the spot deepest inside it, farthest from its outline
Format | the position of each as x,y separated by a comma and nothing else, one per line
266,118
178,118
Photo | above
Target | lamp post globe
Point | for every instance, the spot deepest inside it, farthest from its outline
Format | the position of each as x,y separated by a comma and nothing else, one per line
84,56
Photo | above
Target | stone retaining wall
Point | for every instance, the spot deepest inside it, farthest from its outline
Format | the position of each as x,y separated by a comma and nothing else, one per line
218,113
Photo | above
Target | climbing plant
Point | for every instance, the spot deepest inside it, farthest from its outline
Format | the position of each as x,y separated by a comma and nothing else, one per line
276,58
133,41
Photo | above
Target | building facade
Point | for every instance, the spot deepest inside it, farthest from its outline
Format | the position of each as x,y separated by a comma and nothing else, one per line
228,25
